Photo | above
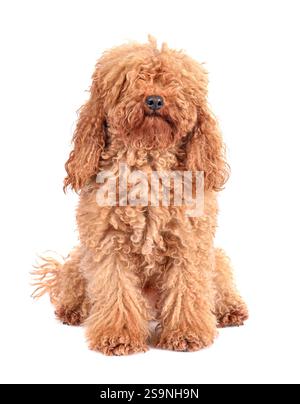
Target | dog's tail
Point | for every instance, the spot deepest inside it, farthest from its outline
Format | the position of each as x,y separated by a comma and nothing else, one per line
45,277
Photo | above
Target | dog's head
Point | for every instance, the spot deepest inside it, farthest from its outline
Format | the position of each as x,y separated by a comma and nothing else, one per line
148,99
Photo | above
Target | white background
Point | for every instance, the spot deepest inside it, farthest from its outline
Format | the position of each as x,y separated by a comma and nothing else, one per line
48,50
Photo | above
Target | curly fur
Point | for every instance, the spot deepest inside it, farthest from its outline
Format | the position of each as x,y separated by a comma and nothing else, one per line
126,250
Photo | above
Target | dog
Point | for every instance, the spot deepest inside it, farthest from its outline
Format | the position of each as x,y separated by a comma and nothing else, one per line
147,109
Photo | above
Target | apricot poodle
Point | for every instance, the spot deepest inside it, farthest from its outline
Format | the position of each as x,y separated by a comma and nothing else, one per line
148,109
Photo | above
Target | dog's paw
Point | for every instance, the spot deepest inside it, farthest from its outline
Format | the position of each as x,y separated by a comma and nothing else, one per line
185,341
121,345
69,317
234,317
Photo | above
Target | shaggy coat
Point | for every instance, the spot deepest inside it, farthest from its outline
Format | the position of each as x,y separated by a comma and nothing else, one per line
128,253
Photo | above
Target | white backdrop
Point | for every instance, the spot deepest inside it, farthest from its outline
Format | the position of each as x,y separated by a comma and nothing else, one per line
251,48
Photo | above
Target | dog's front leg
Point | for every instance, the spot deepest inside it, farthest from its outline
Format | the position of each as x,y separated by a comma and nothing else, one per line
186,301
118,321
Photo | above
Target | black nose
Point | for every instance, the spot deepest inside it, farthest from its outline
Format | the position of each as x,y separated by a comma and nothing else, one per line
154,102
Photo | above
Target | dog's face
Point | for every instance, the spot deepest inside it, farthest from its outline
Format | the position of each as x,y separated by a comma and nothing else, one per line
147,98
151,97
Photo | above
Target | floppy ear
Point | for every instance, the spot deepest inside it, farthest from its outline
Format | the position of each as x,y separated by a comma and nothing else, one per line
88,141
206,151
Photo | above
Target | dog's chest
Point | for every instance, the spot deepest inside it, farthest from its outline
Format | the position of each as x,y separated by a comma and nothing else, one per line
143,211
143,177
